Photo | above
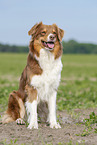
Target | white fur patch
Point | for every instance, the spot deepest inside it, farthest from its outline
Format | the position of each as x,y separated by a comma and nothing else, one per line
50,78
48,38
46,85
31,109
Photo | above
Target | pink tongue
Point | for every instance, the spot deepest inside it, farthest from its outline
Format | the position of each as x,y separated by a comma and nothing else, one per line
50,45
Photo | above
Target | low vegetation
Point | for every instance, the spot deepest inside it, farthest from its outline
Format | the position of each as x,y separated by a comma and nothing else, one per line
77,90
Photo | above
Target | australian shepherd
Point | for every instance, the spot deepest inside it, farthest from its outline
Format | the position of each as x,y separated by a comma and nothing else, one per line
40,79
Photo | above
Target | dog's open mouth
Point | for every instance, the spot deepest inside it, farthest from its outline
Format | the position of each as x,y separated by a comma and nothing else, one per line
49,44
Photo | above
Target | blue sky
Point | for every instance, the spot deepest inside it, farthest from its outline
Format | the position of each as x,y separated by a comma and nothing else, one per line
77,17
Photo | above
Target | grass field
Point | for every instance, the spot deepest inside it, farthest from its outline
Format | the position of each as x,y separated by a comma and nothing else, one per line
77,91
78,87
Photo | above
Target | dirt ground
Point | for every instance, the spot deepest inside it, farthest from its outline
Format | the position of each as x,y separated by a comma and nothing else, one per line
45,135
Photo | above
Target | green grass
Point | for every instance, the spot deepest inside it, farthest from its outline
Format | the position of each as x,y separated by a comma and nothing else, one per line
78,88
79,66
12,64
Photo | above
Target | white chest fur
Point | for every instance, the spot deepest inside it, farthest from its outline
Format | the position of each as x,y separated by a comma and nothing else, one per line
50,78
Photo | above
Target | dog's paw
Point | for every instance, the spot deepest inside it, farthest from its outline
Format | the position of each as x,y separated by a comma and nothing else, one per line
33,125
20,121
55,125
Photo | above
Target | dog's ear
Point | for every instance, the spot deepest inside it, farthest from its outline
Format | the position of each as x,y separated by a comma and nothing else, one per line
60,32
33,30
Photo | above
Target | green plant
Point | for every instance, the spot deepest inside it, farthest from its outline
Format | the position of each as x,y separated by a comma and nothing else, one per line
92,120
89,125
12,142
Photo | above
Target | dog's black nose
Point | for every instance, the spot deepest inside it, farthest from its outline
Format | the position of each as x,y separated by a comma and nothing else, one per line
52,37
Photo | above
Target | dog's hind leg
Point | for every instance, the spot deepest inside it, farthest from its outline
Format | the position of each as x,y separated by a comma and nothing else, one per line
21,112
15,109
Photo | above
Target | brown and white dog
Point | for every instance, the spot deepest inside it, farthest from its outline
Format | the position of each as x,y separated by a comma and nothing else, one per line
40,78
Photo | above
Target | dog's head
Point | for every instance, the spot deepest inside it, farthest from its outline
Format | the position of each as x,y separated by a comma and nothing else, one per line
45,36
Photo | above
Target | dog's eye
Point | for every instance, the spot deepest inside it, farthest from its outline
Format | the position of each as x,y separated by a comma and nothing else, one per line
54,33
43,33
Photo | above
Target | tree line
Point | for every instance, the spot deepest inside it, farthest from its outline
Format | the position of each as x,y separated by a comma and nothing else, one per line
73,46
69,47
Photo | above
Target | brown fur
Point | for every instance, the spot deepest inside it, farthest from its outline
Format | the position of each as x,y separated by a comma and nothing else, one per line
14,106
31,92
25,92
13,111
35,43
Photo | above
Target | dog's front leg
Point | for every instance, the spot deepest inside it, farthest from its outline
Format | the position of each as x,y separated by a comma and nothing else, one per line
52,111
32,114
31,107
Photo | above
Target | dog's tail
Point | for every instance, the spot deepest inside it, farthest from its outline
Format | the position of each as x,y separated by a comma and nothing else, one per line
15,109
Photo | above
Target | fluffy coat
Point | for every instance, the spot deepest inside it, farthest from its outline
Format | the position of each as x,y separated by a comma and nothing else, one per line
40,79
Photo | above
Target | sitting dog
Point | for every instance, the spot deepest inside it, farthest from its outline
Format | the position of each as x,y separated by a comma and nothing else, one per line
40,78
